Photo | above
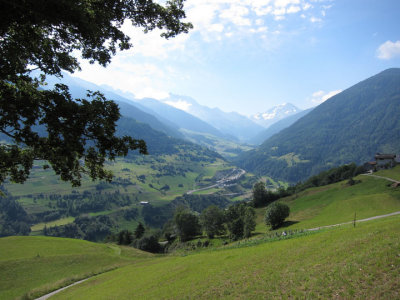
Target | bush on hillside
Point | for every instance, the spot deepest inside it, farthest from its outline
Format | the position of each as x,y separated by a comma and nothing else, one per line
148,243
276,214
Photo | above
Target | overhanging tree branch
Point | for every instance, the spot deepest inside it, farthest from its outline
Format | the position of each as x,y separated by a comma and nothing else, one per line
76,136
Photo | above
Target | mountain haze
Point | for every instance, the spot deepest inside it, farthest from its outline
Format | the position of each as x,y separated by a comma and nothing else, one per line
278,126
78,89
275,114
349,127
232,124
179,117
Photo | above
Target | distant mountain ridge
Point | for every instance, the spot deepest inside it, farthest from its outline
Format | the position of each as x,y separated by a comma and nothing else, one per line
179,117
278,126
349,127
275,114
232,124
78,89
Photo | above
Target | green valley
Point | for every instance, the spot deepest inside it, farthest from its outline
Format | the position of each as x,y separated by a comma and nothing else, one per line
346,261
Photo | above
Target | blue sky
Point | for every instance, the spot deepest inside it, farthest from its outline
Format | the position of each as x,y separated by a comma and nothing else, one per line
249,55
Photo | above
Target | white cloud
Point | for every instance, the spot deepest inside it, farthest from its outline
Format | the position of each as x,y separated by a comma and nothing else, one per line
151,44
315,20
235,14
238,16
293,9
142,70
180,104
279,11
389,50
321,96
141,79
284,3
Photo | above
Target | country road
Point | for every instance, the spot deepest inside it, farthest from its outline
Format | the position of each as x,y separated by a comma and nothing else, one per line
234,175
47,296
357,221
381,177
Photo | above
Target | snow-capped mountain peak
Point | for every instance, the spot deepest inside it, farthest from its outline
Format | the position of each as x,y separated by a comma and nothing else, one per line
275,114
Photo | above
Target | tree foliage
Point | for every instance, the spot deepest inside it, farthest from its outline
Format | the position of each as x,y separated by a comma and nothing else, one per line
259,194
240,220
276,214
212,221
187,224
263,197
139,231
42,35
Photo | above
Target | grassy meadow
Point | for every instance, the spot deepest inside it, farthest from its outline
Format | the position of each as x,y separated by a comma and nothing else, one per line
341,262
346,262
337,203
36,265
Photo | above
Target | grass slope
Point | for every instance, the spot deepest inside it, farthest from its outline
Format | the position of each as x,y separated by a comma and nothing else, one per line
337,203
361,262
42,264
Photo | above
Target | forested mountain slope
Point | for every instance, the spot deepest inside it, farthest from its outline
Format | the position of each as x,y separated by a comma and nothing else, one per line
78,89
181,118
278,126
349,127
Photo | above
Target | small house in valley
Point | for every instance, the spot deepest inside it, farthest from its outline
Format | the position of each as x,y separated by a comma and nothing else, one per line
385,160
370,166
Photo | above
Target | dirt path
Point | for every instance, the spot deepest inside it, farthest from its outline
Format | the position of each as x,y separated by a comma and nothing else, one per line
361,220
60,290
381,177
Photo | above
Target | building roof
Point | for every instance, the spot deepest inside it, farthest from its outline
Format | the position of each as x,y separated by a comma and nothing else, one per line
385,156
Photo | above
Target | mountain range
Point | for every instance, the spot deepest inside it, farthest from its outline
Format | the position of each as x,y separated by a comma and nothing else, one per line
275,114
278,126
232,124
349,127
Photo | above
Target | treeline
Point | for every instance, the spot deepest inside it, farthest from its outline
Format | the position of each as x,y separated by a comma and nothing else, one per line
236,222
87,228
263,197
158,216
13,218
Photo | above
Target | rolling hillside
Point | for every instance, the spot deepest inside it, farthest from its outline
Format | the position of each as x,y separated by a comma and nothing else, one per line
33,266
339,262
349,127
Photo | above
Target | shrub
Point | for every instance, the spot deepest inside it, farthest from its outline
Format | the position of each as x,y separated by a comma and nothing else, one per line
276,214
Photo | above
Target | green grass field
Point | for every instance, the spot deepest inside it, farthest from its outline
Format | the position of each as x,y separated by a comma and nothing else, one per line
337,203
344,263
42,264
59,222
